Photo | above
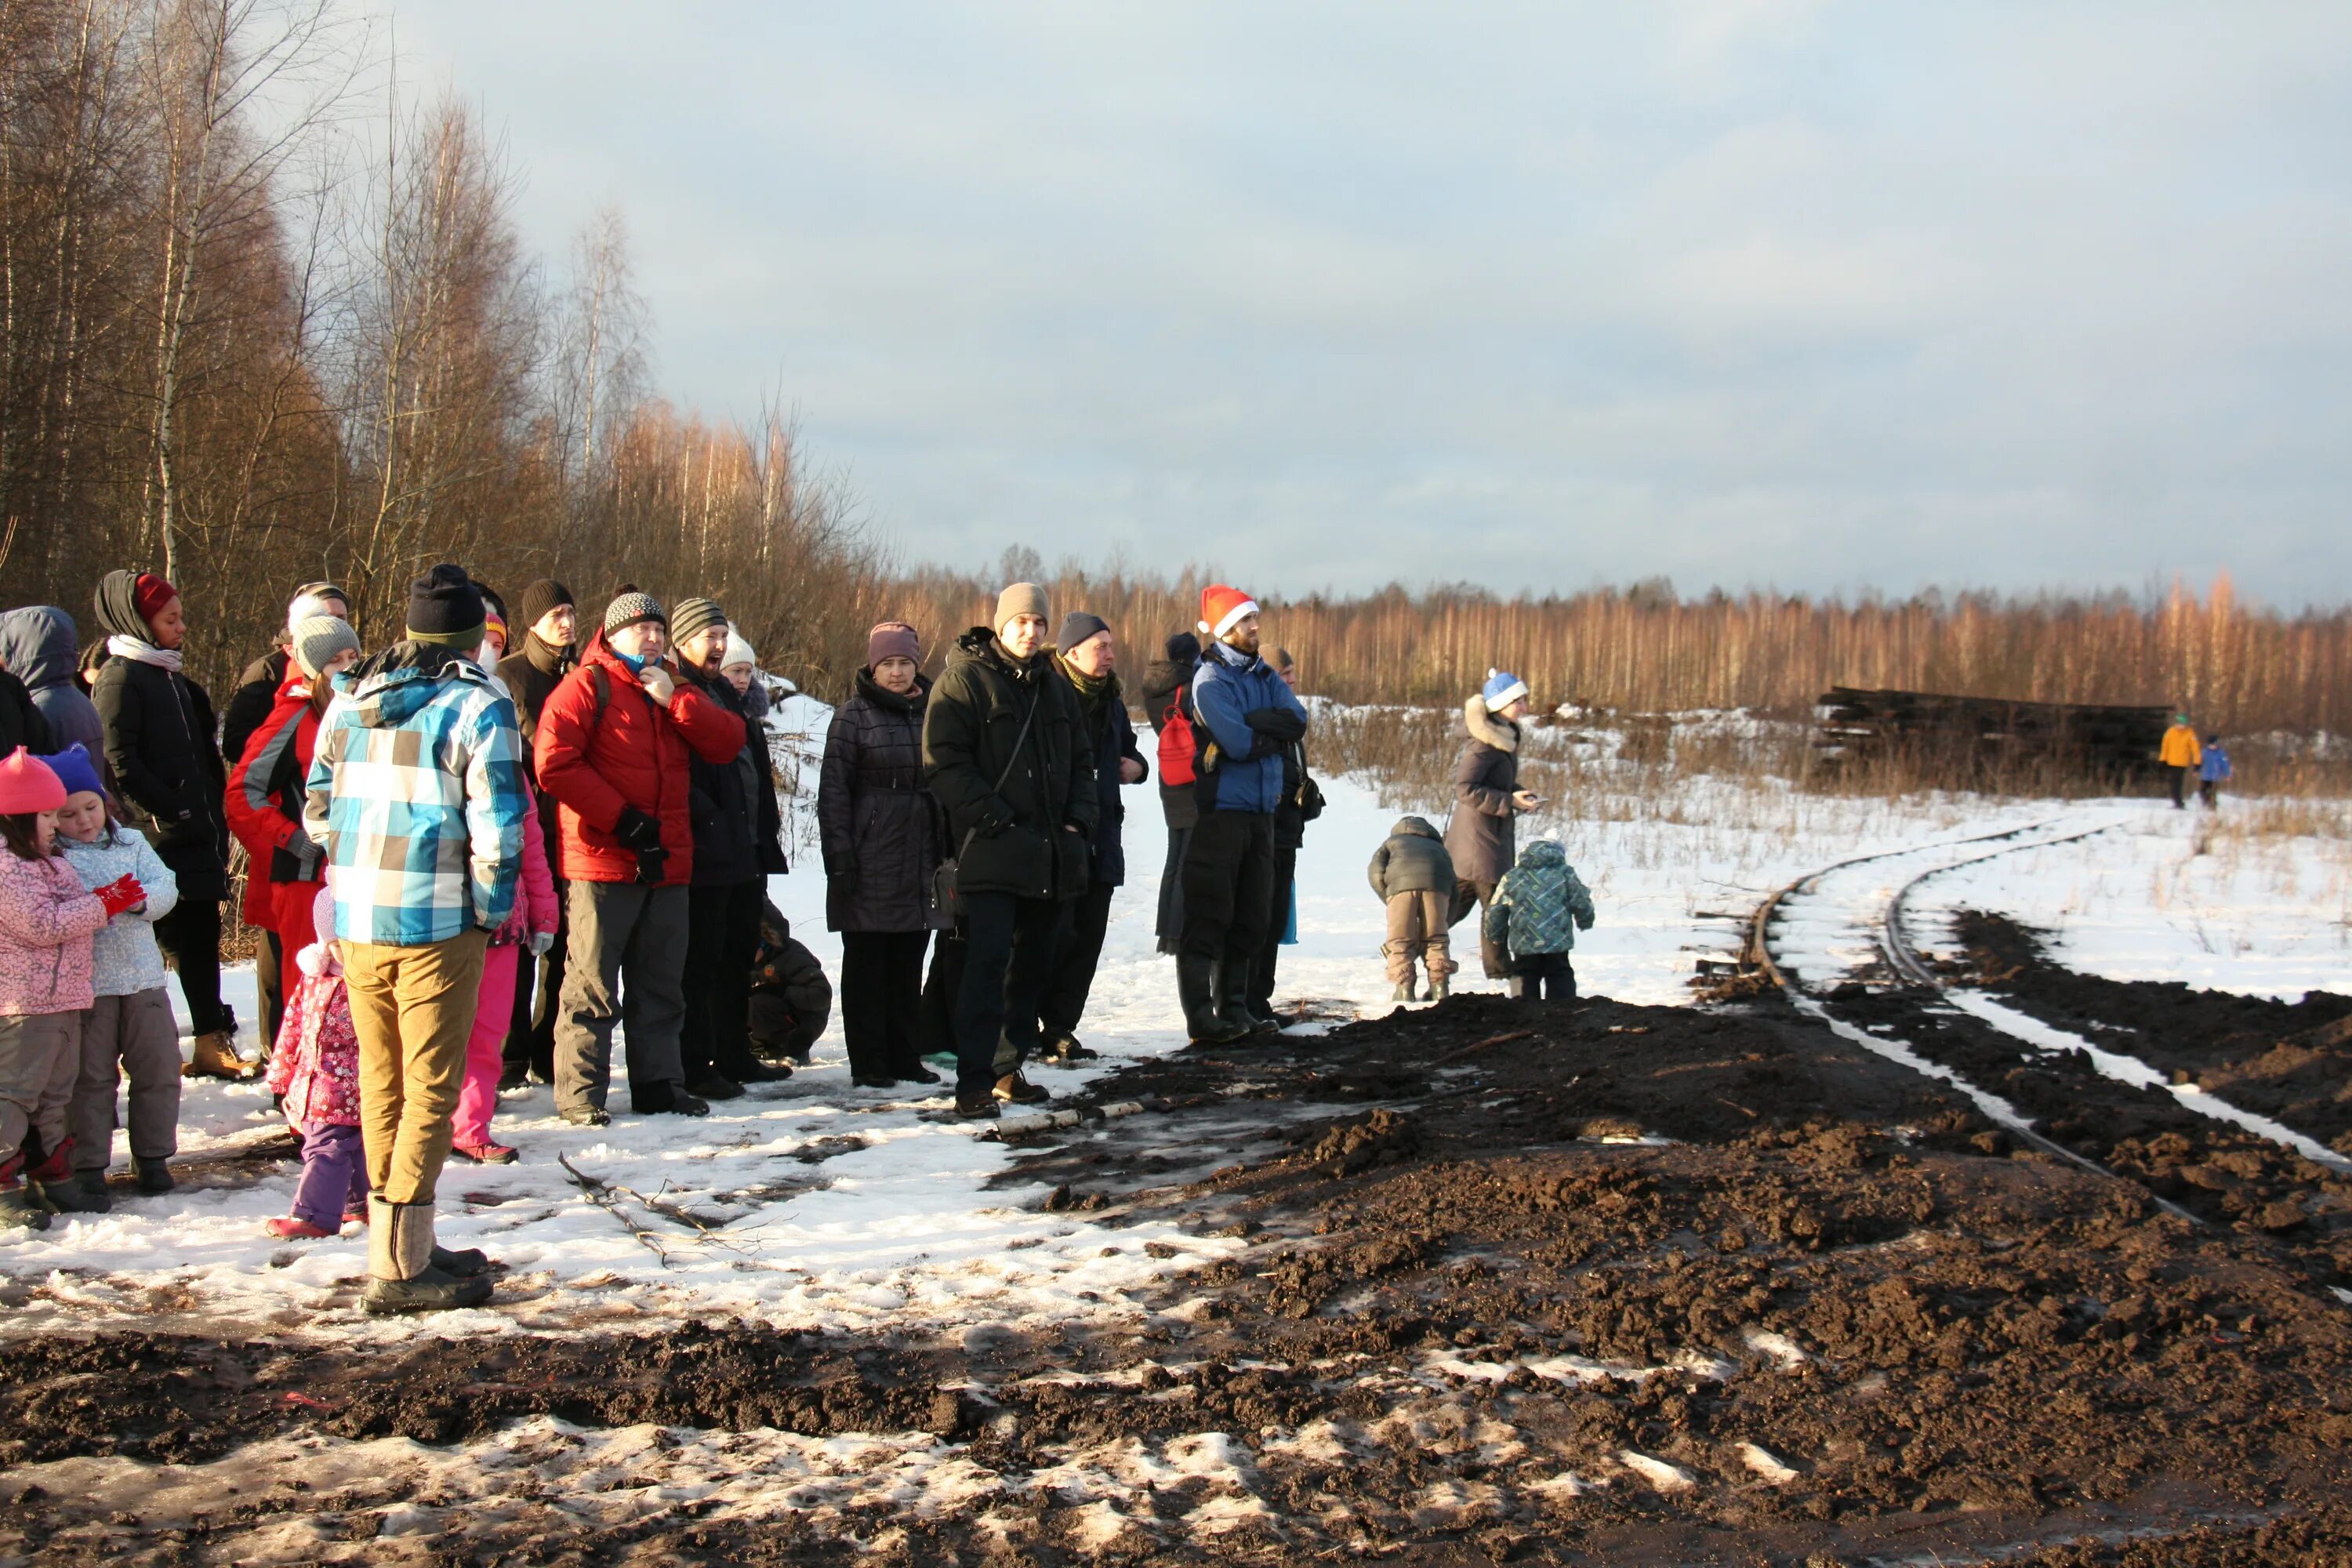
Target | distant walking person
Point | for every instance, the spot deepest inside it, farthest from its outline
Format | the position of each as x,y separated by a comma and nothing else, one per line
882,832
1004,751
533,672
1088,661
1167,706
2180,756
1487,802
1247,716
415,789
160,751
2212,771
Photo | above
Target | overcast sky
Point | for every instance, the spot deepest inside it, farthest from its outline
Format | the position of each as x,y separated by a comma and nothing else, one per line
1739,291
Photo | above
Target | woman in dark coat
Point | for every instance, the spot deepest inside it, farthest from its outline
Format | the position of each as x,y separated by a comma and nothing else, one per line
167,768
1487,800
880,831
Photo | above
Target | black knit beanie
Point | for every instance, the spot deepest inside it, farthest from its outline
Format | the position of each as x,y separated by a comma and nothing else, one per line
542,596
445,608
1078,627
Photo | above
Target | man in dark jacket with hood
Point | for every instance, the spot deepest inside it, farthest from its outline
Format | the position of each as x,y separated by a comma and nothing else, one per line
1087,660
547,654
1246,716
37,647
159,746
1005,750
1166,691
736,828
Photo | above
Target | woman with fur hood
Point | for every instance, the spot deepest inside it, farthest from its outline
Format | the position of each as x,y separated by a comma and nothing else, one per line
1487,800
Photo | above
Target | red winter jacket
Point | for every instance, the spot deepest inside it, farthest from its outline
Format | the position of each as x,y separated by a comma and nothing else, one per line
267,821
630,754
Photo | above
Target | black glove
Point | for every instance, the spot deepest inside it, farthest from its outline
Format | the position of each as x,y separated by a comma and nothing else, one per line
649,866
638,831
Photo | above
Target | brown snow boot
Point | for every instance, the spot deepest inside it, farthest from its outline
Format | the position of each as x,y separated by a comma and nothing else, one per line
402,1274
214,1055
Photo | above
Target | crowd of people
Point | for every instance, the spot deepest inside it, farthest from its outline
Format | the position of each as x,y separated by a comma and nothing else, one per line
470,855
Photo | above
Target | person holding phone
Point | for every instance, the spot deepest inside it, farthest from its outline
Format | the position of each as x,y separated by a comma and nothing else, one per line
1487,802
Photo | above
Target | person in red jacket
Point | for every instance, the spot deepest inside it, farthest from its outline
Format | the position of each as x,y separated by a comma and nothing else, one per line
264,800
615,748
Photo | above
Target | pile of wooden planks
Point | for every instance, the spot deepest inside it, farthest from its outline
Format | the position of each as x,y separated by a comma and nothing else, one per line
1973,739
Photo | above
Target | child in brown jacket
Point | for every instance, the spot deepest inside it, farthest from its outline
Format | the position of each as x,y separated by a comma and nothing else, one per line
1414,876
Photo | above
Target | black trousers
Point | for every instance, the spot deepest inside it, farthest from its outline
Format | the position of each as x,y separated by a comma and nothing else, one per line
722,937
190,935
1008,949
1229,885
1076,957
2179,786
538,1000
1545,976
1169,927
269,960
882,1001
1269,951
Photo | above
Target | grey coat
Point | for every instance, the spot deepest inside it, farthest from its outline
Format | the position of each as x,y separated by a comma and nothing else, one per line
1413,860
879,829
1479,837
37,644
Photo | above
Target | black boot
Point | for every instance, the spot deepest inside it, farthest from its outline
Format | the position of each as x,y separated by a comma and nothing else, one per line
1240,1016
403,1265
1196,980
84,1193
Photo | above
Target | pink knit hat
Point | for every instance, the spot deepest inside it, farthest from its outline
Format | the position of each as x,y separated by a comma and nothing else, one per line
28,785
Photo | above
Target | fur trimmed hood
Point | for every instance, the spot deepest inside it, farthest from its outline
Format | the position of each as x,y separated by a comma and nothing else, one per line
1486,728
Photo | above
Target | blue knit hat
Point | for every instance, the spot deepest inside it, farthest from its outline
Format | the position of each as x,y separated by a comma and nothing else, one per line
75,770
1502,689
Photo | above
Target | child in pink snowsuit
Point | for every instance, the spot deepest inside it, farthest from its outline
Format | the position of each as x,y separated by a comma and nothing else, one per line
531,926
316,1070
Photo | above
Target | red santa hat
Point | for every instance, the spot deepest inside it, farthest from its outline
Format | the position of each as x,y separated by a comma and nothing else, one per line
1221,606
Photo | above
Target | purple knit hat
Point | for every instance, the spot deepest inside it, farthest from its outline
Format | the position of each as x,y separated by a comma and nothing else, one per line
892,640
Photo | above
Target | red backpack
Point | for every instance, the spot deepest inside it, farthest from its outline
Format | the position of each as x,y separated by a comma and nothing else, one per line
1177,744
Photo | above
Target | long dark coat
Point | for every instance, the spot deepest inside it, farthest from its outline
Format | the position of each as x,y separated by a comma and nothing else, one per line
159,747
879,827
1480,837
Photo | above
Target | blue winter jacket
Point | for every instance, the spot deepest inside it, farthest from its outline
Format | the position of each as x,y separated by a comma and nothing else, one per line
1229,686
2215,768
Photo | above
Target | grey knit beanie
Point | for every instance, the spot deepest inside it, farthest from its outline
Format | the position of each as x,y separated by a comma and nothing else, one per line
630,608
693,615
319,638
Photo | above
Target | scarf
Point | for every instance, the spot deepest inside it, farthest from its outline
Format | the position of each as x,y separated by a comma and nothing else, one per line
146,652
546,658
1229,656
1095,694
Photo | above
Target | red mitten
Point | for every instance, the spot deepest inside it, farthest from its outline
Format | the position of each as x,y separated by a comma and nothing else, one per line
123,893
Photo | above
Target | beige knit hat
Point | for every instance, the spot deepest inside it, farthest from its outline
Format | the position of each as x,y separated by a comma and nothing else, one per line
1019,599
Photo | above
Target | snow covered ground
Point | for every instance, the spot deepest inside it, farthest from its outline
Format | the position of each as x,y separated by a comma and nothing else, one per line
855,1208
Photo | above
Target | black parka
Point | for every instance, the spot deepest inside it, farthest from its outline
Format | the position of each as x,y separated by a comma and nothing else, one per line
1113,739
880,828
532,674
166,769
1015,832
733,804
250,704
1165,683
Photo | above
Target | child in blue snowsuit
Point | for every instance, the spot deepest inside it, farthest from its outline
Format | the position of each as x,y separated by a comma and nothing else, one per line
1539,907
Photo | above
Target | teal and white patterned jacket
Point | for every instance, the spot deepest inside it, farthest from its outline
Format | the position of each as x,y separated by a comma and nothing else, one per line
415,789
1540,904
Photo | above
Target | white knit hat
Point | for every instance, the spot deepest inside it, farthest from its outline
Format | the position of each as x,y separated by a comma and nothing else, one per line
738,652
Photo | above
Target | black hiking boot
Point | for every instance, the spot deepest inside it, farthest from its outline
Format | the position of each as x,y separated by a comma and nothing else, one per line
84,1193
154,1176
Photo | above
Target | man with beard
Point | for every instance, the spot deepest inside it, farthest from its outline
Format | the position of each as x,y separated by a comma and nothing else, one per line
1249,716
